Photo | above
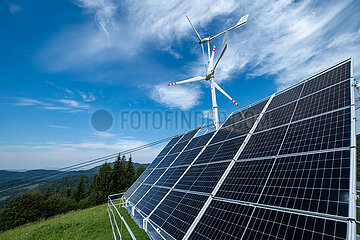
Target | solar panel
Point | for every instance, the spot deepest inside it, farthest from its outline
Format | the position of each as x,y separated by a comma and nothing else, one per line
170,150
283,168
177,212
202,178
225,220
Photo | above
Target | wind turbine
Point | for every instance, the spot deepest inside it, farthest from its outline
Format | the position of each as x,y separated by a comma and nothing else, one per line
211,67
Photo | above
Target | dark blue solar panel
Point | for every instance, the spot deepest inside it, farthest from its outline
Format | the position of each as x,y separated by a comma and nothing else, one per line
328,131
177,212
285,97
315,182
151,199
137,182
272,224
276,117
220,151
187,157
264,143
139,193
246,180
328,78
171,176
246,113
202,178
326,100
223,220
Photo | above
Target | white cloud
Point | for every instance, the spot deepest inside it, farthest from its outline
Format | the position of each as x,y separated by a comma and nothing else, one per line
72,103
90,97
57,126
182,97
66,105
285,39
60,154
29,102
66,90
14,8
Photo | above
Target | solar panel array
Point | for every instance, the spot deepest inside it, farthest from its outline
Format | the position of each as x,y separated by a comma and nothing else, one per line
282,168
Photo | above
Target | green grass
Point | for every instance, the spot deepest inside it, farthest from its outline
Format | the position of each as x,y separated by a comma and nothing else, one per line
92,223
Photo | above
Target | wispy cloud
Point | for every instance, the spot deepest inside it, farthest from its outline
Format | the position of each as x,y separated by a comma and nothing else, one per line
66,105
90,97
105,134
58,126
66,90
29,102
13,7
182,97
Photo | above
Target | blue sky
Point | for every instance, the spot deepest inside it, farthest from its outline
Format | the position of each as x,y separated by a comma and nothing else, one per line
63,60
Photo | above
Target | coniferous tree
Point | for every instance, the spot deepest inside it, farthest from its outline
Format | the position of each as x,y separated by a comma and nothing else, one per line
100,186
57,189
118,178
69,189
140,170
80,190
131,175
47,193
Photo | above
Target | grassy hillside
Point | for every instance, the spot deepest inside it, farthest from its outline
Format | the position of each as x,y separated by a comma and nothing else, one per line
92,223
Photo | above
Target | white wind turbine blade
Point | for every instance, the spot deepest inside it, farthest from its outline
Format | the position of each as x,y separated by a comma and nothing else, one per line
240,23
223,92
223,48
202,48
212,58
197,34
194,79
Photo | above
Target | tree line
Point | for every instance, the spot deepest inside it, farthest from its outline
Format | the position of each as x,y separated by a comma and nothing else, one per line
32,206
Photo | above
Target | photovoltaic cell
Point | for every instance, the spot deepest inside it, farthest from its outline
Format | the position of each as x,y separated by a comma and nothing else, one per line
155,175
177,212
242,128
276,117
171,176
332,98
137,182
223,220
246,180
271,224
264,144
168,160
220,151
246,113
139,193
315,182
187,157
189,135
151,199
222,134
202,178
285,97
328,131
199,141
328,78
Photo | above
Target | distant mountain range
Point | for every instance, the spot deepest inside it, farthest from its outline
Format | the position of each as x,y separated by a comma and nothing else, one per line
40,179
